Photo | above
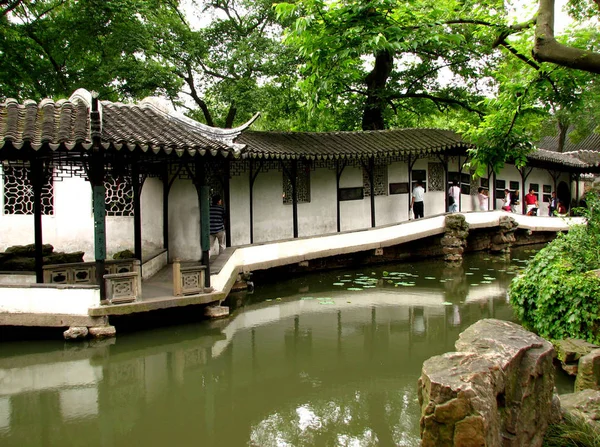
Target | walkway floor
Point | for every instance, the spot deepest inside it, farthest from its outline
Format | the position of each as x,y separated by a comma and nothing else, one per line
157,292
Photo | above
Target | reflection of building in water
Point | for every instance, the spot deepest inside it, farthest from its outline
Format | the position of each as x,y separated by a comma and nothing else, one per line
265,361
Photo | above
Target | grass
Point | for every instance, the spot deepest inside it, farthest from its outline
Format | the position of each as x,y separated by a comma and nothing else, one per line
575,431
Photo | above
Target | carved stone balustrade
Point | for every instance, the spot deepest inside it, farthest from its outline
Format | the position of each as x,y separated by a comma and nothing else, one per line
85,272
188,280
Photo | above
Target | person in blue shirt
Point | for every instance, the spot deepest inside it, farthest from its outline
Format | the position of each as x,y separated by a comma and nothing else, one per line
217,223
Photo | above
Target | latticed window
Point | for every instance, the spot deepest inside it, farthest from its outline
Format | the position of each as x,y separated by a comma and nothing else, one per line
18,192
119,196
302,186
380,177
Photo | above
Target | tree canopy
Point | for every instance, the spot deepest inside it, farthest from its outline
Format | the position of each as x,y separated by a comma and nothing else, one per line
471,66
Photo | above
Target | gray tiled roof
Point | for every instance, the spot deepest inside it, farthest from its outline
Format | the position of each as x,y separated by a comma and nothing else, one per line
66,124
320,145
590,143
567,159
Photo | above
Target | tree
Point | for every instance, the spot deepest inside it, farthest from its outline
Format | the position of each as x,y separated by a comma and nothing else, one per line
52,47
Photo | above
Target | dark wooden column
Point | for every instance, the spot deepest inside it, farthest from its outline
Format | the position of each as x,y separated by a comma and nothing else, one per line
294,181
524,174
137,210
166,188
96,176
372,191
339,169
227,198
36,178
203,192
251,179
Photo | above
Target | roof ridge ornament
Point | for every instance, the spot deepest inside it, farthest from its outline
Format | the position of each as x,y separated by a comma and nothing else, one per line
226,136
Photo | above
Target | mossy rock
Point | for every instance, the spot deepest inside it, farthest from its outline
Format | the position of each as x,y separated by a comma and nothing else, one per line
19,264
28,251
124,254
64,258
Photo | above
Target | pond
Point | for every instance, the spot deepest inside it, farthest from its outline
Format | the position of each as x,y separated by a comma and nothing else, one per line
327,359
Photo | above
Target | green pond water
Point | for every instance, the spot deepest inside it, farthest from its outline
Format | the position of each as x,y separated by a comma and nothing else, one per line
324,360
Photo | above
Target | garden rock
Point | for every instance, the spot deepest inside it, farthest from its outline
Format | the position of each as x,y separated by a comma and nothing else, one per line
75,332
570,350
588,374
585,404
496,390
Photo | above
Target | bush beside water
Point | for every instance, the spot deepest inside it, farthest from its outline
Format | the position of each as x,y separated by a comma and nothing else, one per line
558,294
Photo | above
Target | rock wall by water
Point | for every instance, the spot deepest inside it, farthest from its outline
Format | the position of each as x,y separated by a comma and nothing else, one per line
496,390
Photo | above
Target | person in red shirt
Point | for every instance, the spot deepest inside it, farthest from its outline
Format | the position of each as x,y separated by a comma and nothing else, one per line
532,203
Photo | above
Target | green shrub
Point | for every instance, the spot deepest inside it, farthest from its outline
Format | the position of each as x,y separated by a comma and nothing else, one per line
557,295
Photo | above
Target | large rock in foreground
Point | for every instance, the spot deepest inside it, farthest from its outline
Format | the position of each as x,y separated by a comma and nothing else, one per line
497,390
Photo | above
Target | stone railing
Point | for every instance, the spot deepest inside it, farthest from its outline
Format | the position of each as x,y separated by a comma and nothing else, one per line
85,272
123,287
188,280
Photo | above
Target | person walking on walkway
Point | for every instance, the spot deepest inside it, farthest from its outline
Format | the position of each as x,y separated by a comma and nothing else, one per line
217,223
453,197
416,203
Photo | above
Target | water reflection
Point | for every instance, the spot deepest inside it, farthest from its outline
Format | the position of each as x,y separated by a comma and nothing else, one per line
307,363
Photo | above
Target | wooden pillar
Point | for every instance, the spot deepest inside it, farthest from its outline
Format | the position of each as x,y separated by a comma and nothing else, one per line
36,178
577,177
372,182
99,205
227,198
410,166
294,182
137,210
339,168
96,176
166,188
251,179
203,192
493,196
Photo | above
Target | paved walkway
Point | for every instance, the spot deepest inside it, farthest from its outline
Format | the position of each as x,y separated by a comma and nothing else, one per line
157,292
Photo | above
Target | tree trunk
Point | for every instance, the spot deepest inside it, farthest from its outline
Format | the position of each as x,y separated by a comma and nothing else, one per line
376,84
562,135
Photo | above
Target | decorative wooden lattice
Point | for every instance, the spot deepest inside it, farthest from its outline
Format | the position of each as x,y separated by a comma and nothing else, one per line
18,192
302,185
119,196
436,176
380,177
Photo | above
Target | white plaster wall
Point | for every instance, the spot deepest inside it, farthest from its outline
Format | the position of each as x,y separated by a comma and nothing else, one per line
354,214
42,300
320,215
239,209
184,222
71,228
272,219
393,208
152,214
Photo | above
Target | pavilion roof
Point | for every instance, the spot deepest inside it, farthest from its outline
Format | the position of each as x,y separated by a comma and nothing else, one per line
567,159
333,145
71,123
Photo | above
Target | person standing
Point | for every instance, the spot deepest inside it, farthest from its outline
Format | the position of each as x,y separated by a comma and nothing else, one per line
416,203
514,200
553,205
217,223
483,199
453,197
506,203
532,203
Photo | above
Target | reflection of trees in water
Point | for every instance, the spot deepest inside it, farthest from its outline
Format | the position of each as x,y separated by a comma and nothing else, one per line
375,417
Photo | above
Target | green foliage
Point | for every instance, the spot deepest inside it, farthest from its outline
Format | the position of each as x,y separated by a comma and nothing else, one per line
574,431
558,296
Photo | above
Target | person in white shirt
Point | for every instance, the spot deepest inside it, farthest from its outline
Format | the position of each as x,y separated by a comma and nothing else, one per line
483,199
453,197
416,203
